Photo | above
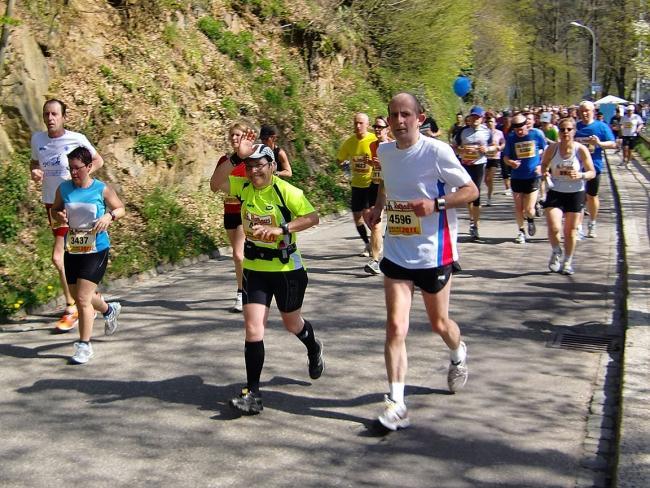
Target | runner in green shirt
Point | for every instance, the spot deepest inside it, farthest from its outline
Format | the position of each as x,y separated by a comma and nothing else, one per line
273,211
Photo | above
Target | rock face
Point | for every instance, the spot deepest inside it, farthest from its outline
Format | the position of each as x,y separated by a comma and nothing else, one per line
24,89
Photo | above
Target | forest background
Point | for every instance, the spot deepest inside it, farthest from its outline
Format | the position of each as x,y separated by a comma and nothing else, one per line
154,84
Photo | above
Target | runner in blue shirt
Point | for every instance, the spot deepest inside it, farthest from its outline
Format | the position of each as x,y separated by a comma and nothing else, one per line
596,135
522,154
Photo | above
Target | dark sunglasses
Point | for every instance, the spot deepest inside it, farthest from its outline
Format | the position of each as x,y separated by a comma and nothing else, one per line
565,129
519,126
380,127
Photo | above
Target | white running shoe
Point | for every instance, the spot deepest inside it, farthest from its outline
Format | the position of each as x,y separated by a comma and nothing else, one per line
366,251
110,322
567,268
458,373
521,238
394,416
372,267
238,306
591,229
508,193
555,263
488,202
580,235
82,353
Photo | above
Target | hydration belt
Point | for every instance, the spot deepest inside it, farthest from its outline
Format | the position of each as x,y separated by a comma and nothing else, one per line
251,251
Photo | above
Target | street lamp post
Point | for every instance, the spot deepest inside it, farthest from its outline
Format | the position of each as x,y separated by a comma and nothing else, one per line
593,55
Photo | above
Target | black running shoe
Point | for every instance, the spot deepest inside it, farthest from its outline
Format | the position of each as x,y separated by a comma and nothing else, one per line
316,363
247,402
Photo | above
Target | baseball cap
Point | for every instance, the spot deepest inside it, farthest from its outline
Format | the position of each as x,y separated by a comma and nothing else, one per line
478,111
630,108
545,117
262,151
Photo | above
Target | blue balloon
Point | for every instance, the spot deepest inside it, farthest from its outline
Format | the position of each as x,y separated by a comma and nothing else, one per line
462,86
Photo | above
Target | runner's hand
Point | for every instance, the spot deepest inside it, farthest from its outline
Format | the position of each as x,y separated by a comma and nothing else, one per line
37,175
266,232
372,216
245,147
102,223
61,216
423,207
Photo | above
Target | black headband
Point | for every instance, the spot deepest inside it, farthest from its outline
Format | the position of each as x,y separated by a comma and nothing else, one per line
517,126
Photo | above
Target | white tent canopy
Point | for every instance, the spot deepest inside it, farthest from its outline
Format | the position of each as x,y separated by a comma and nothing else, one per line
610,99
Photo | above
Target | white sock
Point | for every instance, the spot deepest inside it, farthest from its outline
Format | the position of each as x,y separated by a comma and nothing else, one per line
458,355
568,259
397,392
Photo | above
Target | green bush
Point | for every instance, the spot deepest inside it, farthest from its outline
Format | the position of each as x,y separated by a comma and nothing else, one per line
235,46
170,231
14,176
154,146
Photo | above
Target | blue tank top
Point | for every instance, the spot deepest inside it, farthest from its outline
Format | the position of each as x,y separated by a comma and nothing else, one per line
84,206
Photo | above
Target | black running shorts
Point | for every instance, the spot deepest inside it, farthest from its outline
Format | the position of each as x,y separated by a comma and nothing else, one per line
361,198
429,280
288,288
529,185
476,172
567,202
592,186
630,141
89,267
231,220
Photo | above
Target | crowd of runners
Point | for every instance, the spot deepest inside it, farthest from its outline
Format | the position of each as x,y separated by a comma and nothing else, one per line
407,185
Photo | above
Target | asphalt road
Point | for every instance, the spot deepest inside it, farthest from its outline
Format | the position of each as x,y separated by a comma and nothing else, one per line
151,408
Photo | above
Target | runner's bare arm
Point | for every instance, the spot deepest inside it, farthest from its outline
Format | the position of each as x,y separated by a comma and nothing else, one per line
462,196
58,210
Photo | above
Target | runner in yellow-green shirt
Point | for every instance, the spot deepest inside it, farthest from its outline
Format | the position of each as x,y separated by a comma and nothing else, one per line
356,151
273,211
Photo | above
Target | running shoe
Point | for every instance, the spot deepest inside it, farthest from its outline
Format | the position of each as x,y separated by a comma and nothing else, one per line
68,321
394,416
508,193
247,402
82,353
521,238
567,268
531,228
110,321
591,230
458,372
372,267
316,363
488,202
238,306
473,231
366,251
580,234
538,210
555,263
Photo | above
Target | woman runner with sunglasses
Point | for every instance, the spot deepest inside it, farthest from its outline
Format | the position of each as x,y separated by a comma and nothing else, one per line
273,211
566,165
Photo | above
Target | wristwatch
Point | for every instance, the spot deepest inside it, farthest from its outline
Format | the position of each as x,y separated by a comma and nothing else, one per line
285,229
441,204
112,214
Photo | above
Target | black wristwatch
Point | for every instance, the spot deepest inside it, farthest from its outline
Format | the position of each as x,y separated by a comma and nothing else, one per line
441,204
285,229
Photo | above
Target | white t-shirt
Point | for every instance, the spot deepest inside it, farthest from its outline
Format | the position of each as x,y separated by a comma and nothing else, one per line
428,169
630,125
51,154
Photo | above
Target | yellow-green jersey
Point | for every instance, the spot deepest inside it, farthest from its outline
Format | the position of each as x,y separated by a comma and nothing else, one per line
357,151
274,205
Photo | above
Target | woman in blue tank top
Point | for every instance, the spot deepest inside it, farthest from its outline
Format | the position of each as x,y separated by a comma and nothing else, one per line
88,206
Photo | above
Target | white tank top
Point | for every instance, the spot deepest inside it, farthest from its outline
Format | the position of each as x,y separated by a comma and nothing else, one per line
559,169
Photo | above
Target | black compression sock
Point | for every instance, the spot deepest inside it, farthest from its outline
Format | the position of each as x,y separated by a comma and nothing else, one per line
361,229
254,357
306,336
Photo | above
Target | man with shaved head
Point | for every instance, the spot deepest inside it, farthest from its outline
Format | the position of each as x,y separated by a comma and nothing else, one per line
356,151
423,184
596,135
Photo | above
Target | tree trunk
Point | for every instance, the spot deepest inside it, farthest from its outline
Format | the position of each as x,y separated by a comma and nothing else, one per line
4,40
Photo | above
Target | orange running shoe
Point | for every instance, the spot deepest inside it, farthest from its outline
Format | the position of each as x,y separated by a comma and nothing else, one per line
68,321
